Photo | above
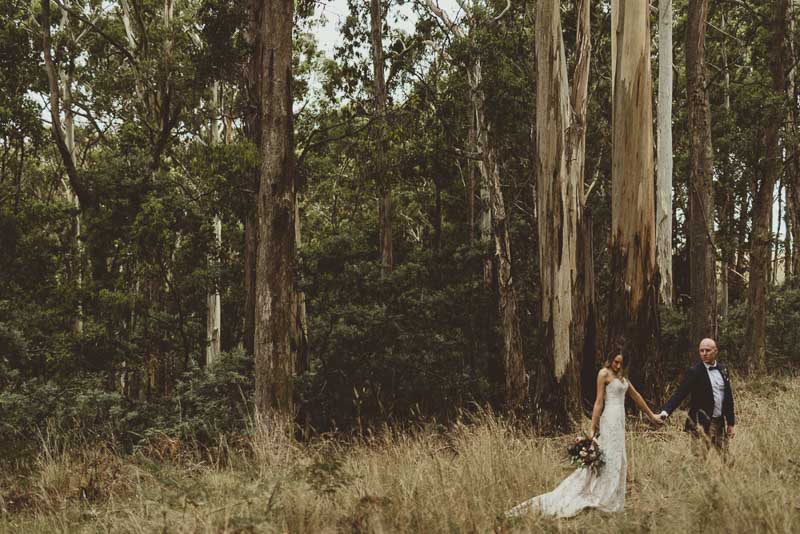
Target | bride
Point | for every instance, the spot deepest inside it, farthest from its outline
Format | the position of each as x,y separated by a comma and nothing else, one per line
604,489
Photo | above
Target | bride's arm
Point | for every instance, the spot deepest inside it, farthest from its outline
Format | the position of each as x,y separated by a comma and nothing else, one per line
598,401
640,402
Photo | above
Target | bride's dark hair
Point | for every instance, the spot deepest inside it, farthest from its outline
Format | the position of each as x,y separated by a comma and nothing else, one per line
610,359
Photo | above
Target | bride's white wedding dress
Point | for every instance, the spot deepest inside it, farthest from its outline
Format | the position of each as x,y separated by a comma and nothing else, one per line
583,488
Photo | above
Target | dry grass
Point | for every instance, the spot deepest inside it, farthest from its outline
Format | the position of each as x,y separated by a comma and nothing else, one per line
461,481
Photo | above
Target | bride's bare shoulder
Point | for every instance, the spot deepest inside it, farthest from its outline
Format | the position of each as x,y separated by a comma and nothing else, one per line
603,373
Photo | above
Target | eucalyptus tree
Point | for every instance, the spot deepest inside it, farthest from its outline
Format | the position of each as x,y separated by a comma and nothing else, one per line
276,329
376,18
664,165
702,248
560,196
213,301
632,322
792,263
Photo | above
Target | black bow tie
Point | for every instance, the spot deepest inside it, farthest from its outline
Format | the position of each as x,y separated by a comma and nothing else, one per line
713,368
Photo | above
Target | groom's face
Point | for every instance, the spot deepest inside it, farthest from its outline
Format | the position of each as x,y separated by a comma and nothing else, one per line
708,351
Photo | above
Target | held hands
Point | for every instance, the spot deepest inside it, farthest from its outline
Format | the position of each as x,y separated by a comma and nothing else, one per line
657,420
730,431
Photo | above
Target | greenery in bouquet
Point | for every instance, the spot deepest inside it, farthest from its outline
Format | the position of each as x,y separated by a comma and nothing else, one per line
585,452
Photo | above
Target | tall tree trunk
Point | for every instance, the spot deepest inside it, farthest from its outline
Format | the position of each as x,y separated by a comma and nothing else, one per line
560,162
726,208
515,392
60,86
585,301
664,167
632,319
213,305
586,316
485,222
276,344
793,177
379,156
764,189
252,130
67,80
702,252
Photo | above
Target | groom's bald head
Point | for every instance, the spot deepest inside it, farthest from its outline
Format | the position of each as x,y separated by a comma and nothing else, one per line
708,350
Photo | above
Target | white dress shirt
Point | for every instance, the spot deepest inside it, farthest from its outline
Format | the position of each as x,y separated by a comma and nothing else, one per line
717,388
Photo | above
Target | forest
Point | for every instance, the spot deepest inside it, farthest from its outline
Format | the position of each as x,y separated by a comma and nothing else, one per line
308,266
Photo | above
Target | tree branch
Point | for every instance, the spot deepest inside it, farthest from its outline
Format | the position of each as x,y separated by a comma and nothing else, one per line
92,25
444,17
55,110
502,13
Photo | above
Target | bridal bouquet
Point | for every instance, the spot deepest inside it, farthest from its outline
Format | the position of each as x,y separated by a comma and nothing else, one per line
585,452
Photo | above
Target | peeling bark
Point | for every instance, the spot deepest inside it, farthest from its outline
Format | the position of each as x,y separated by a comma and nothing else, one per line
560,133
632,319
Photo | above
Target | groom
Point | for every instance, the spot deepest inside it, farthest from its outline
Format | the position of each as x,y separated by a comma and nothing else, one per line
711,403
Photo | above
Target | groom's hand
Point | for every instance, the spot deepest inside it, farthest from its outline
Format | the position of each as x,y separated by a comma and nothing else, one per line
730,431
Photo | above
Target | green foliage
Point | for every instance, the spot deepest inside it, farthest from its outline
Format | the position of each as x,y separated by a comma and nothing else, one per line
389,347
90,407
783,337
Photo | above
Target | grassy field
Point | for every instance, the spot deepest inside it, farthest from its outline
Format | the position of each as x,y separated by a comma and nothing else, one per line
460,480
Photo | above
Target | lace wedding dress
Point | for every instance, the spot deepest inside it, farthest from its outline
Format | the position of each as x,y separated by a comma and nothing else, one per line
583,488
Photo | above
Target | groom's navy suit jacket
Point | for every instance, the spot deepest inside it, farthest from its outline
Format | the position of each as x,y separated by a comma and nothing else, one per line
701,404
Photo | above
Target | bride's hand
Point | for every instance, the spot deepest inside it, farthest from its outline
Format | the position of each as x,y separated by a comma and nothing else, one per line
656,420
